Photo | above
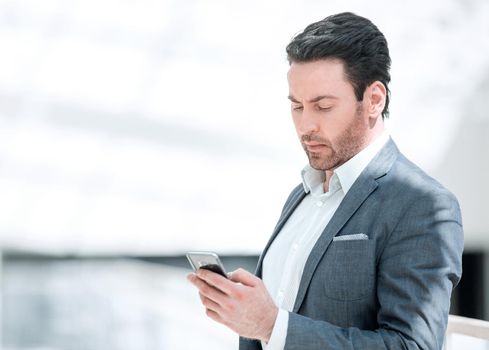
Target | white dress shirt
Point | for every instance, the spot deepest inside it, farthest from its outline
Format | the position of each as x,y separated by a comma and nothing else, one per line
285,259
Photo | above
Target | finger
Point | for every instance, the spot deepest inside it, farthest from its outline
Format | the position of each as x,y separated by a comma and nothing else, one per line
192,278
208,290
244,277
209,303
214,315
216,280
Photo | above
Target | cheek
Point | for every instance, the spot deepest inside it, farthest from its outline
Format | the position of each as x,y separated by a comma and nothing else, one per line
340,120
332,124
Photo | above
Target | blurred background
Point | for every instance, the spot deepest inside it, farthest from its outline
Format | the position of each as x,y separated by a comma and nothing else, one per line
134,131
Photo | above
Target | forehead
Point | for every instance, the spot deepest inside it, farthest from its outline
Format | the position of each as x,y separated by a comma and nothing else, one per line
310,79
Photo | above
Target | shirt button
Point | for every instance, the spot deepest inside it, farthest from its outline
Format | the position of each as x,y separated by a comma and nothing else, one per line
295,246
319,203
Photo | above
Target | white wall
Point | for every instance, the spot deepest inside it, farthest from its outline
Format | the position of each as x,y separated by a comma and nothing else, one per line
154,127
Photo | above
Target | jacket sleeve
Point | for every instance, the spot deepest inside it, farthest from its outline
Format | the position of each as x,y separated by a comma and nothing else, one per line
419,266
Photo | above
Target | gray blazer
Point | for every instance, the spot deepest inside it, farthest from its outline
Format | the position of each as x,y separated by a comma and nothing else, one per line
391,290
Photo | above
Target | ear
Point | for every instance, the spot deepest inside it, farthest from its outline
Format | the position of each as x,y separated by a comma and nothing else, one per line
376,96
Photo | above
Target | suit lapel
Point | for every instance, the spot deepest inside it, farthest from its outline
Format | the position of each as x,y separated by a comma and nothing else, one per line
344,212
358,193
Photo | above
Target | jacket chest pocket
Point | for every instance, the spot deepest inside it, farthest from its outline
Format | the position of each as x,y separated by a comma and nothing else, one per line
348,269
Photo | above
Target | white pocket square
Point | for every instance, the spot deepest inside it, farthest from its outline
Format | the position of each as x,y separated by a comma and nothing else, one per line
354,237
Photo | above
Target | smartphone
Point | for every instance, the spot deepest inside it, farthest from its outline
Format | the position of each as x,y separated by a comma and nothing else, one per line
206,260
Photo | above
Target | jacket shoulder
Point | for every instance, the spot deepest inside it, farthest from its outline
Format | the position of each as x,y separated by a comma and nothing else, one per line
410,183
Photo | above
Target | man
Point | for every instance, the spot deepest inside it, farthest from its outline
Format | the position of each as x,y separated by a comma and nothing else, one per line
368,248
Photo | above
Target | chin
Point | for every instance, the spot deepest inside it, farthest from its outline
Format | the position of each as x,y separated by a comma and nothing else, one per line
324,164
318,163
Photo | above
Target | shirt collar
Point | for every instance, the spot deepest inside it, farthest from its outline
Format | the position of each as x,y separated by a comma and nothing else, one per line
348,172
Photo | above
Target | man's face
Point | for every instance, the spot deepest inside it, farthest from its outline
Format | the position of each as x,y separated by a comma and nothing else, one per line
331,124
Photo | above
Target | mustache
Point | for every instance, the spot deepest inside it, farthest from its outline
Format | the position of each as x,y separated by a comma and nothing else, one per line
315,138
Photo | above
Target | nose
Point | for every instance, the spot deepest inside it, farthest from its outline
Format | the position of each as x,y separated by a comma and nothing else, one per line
307,122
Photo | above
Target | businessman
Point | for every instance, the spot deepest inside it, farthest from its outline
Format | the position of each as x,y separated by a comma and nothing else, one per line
368,247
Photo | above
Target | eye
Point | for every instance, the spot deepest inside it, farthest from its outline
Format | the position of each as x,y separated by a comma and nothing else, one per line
324,109
297,108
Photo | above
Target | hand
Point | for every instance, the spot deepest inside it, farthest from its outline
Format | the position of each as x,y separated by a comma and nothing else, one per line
241,302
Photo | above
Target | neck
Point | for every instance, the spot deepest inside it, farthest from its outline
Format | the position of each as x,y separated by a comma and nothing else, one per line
329,174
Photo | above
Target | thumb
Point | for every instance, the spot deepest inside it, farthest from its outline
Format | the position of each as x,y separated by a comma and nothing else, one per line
244,277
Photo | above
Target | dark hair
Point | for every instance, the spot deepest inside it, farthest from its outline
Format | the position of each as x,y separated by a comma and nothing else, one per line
353,39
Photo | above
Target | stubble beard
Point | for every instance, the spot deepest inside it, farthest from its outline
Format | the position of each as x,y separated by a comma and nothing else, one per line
347,144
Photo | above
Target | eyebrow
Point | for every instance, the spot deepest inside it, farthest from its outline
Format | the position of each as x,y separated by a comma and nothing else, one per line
315,99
